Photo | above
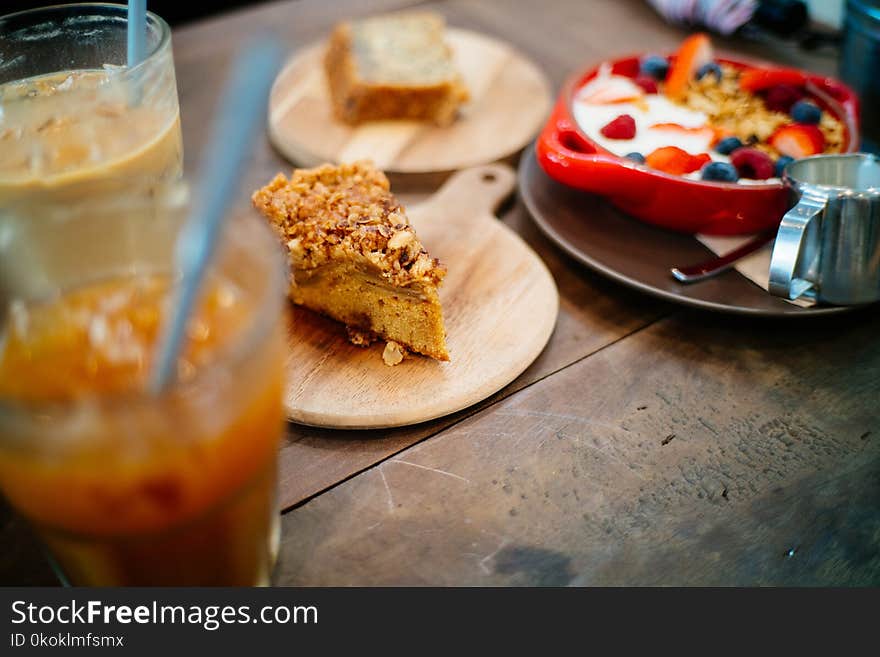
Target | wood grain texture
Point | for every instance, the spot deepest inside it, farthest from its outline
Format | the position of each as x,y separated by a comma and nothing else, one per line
302,125
831,509
667,458
499,306
593,312
791,489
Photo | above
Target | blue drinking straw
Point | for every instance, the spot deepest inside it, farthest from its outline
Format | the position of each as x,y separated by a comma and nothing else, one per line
242,112
135,44
137,31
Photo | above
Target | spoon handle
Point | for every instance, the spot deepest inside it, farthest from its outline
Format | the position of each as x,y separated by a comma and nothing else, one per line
709,268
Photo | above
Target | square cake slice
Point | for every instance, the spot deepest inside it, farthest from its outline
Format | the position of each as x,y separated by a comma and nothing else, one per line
355,257
396,66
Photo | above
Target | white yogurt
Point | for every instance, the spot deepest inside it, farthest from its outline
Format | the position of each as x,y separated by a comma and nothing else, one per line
647,110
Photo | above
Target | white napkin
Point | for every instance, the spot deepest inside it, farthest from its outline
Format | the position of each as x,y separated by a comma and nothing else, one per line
755,267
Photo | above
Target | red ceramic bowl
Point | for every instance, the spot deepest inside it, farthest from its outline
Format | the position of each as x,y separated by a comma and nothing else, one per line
568,155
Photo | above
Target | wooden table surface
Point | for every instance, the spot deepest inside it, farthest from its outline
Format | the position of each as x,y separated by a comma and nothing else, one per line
648,444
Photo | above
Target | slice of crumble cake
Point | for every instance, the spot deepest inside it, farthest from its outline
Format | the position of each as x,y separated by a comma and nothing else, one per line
355,257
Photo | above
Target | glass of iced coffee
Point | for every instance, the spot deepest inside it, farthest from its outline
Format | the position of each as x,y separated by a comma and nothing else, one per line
75,120
126,486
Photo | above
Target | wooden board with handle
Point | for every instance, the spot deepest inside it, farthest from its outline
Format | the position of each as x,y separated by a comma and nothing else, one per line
510,98
499,304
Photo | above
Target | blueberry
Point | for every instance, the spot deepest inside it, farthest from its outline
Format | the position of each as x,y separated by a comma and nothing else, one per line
655,66
720,171
780,164
804,111
635,157
727,145
706,69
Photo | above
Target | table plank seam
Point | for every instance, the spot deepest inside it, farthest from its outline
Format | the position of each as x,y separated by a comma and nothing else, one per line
470,412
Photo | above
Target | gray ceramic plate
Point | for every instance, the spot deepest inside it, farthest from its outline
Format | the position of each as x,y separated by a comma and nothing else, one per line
639,255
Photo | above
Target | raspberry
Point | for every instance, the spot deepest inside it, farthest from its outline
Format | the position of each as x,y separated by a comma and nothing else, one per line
780,97
647,83
623,127
752,163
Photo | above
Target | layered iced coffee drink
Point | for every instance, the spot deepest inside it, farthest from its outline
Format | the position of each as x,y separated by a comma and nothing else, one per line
75,120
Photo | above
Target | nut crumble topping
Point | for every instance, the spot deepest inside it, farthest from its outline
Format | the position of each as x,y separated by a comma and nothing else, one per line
359,337
393,354
329,212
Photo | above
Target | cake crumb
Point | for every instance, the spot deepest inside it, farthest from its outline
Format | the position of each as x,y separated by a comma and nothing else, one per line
359,337
393,354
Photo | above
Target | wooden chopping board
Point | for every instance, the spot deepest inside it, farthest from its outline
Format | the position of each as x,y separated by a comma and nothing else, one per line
499,305
510,99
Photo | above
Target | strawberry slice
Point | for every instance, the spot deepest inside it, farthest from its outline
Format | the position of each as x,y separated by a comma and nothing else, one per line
694,51
798,140
758,79
711,135
610,89
672,159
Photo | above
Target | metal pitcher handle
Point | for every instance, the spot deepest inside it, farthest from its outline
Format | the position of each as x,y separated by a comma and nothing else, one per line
790,242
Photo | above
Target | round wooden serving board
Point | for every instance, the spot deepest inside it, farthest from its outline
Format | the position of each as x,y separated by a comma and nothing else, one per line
510,98
499,305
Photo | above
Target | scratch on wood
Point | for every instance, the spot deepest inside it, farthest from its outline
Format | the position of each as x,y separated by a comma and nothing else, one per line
667,440
479,432
607,453
387,489
707,425
316,368
489,556
554,416
691,480
437,470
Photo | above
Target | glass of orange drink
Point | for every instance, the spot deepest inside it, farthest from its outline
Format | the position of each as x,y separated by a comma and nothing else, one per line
123,485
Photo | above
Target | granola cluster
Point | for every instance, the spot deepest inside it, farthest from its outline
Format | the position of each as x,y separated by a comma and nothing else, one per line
329,212
745,115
